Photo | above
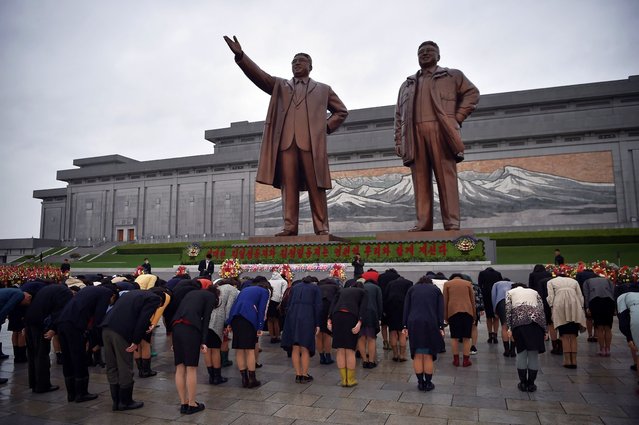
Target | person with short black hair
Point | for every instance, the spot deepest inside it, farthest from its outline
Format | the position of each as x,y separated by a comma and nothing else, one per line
423,323
190,330
345,321
123,328
459,312
206,266
246,319
526,321
82,313
559,259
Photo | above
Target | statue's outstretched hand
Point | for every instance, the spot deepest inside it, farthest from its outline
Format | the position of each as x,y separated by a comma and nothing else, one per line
234,45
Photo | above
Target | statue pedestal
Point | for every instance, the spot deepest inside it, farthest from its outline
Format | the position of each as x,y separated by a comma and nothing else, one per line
434,235
292,240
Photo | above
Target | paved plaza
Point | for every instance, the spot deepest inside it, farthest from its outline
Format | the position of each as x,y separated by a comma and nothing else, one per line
600,391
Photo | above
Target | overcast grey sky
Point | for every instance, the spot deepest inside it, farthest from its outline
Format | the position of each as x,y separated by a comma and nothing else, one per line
145,79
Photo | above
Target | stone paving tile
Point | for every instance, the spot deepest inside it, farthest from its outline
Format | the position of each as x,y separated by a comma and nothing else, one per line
412,420
508,416
115,418
535,406
476,401
499,392
342,403
251,419
289,387
257,407
631,411
427,398
619,421
458,422
211,416
625,399
567,396
329,390
13,419
357,418
374,394
593,409
559,419
304,412
295,399
451,412
394,407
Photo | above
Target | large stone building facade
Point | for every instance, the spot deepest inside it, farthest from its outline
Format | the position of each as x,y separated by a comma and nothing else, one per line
560,157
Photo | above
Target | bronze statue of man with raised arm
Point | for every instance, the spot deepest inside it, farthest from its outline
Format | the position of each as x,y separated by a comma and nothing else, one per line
293,154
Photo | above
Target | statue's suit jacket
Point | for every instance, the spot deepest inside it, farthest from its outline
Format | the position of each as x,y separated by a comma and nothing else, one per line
319,98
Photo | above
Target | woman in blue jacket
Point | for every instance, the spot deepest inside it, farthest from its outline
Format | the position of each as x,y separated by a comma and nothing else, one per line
246,319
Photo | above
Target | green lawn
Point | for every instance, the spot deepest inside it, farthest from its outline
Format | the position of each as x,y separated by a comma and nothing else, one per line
129,261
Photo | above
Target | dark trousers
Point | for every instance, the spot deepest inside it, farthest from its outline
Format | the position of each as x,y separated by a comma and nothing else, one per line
119,362
432,155
73,344
38,349
295,164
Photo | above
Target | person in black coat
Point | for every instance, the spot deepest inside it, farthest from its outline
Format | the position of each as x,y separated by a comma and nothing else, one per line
538,280
329,288
302,323
44,310
122,331
345,321
424,324
180,290
383,280
190,329
581,277
206,267
83,312
16,320
396,292
486,280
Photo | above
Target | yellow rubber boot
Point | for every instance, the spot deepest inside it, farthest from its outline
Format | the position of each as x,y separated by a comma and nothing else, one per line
350,378
342,374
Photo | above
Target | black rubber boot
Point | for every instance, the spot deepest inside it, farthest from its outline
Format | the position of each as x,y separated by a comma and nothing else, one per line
211,375
513,349
148,372
97,359
322,358
555,347
428,382
506,349
225,359
245,379
58,357
560,347
217,376
420,382
329,359
69,382
138,363
523,379
126,399
532,375
115,396
82,393
253,382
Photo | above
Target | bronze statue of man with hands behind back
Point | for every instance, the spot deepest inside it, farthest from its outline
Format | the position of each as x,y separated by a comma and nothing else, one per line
431,106
293,154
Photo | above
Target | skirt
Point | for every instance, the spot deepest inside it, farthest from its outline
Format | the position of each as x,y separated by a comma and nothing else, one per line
343,337
273,311
244,334
570,328
529,337
186,345
213,340
461,325
602,310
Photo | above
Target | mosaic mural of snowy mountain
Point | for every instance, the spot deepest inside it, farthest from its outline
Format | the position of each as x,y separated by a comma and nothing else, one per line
509,196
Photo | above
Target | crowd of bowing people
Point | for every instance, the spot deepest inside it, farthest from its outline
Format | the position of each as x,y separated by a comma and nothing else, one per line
110,321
